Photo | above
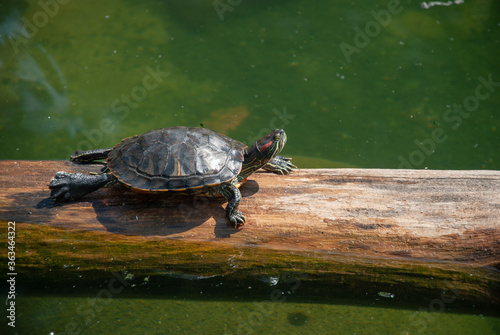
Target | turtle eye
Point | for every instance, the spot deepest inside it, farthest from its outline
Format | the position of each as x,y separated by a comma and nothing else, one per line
277,137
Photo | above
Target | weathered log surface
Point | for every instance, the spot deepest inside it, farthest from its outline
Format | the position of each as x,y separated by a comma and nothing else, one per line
416,214
343,225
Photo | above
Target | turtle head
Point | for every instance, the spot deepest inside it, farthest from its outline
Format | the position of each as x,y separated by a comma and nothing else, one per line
263,151
270,145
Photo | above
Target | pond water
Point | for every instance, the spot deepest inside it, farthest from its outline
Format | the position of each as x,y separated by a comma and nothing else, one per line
354,83
381,84
139,315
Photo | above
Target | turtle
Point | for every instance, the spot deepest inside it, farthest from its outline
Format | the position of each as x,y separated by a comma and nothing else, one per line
182,159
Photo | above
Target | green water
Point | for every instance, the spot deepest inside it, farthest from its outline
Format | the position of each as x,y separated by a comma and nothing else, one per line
286,304
83,79
354,83
163,316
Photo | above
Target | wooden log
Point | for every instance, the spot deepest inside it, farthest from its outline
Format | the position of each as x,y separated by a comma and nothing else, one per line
387,226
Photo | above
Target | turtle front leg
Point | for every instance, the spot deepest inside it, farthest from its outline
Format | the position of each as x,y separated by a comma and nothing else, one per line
280,165
72,186
233,197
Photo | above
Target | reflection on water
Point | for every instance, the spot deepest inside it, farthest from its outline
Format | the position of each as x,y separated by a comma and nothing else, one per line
33,81
40,99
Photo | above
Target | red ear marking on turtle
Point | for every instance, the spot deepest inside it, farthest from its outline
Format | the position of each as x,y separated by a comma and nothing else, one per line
265,146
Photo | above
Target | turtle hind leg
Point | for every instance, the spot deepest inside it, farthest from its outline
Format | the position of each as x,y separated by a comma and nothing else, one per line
72,186
90,156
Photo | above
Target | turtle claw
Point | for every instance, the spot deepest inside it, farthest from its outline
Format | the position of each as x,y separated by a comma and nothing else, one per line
281,165
237,218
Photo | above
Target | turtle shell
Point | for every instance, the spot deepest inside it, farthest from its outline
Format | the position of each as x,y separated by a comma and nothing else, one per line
176,159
